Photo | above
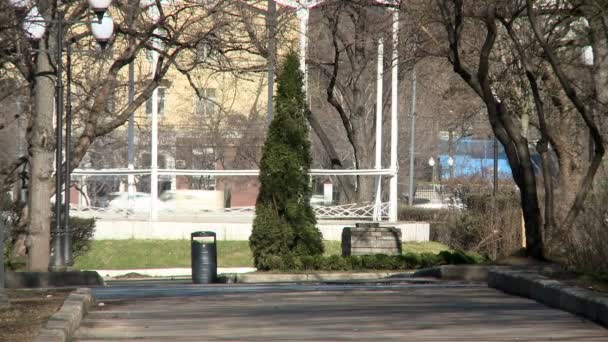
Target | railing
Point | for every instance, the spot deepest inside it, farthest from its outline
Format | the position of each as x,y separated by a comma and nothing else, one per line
346,211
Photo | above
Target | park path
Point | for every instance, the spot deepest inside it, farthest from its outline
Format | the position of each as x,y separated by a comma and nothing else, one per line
327,313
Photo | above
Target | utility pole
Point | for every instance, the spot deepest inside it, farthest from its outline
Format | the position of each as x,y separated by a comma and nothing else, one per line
412,139
377,216
57,262
3,298
495,183
271,28
394,183
131,126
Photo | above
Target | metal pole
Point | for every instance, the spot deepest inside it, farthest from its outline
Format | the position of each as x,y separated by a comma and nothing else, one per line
412,139
394,184
67,245
451,152
154,143
379,81
131,135
131,126
303,15
495,187
57,260
270,24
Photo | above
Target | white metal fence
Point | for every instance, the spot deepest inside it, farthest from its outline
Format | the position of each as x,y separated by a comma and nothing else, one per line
376,210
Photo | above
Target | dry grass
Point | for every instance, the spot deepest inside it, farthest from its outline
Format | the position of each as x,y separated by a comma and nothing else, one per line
29,311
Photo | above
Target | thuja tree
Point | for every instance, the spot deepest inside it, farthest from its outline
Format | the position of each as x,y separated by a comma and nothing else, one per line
285,226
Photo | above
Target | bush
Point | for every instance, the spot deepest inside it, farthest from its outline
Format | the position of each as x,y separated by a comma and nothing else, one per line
285,226
81,231
585,247
376,262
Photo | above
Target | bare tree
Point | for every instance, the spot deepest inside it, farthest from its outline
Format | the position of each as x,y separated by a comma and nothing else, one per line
529,74
180,29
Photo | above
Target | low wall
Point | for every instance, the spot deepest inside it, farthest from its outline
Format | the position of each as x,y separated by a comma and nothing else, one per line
331,230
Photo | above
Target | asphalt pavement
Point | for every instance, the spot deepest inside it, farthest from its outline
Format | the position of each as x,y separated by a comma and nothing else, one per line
365,311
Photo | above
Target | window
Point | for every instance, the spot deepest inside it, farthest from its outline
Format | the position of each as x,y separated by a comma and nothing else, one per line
110,103
206,105
162,92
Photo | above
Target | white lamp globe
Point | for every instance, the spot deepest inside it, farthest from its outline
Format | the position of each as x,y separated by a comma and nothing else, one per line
102,31
588,55
99,7
431,162
20,4
33,25
451,161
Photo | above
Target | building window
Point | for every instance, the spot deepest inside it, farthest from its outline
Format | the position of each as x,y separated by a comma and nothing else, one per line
206,105
162,92
205,50
110,103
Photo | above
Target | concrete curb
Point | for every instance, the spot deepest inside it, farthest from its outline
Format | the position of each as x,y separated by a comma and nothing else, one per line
248,278
62,325
472,273
18,280
579,301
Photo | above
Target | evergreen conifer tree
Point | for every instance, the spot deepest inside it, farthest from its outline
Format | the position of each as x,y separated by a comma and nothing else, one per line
285,224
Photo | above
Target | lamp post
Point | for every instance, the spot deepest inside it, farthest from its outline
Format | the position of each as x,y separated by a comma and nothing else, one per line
432,165
451,165
34,26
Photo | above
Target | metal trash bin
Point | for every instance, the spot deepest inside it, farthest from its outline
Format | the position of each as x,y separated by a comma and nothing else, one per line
204,257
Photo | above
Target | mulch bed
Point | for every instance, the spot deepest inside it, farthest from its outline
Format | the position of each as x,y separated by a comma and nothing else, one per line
29,311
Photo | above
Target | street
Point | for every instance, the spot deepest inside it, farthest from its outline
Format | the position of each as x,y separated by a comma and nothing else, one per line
172,311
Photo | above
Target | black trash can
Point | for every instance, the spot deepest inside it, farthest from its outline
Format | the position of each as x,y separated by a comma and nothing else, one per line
204,257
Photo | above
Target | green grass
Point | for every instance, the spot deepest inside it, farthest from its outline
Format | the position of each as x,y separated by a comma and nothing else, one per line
130,254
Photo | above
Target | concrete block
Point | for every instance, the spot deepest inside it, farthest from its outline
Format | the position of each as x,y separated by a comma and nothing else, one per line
548,292
50,335
62,325
602,315
580,301
15,280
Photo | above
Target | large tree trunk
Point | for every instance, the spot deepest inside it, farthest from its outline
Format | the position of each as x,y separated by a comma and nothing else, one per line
3,298
41,148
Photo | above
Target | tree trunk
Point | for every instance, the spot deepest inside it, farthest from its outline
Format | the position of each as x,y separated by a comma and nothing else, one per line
4,303
41,148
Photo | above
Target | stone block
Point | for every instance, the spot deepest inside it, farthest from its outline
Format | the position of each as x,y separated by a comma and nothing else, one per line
15,280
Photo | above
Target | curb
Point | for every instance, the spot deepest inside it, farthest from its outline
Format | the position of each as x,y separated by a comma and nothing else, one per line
17,280
553,293
62,325
248,278
472,273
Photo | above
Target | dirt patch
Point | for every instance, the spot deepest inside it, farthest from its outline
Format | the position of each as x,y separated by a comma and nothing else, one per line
29,311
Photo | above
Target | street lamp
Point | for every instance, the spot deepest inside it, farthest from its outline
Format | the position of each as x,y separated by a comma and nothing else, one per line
432,165
451,165
34,26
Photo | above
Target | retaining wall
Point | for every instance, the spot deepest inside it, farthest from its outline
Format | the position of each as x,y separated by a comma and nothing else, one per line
331,230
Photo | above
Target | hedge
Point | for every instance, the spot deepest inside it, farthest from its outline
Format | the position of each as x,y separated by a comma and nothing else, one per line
376,262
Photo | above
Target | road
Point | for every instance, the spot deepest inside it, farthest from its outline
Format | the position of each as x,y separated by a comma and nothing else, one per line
169,311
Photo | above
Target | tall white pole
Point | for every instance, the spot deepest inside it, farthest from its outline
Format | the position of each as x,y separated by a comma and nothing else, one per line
394,185
377,207
303,15
412,139
154,143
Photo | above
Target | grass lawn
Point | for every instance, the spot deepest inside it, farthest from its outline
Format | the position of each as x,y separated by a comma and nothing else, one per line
130,254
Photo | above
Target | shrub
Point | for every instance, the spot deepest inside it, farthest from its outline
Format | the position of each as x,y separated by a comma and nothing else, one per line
585,247
81,232
370,262
285,225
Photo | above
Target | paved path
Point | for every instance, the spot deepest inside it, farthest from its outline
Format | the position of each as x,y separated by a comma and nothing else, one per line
372,312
